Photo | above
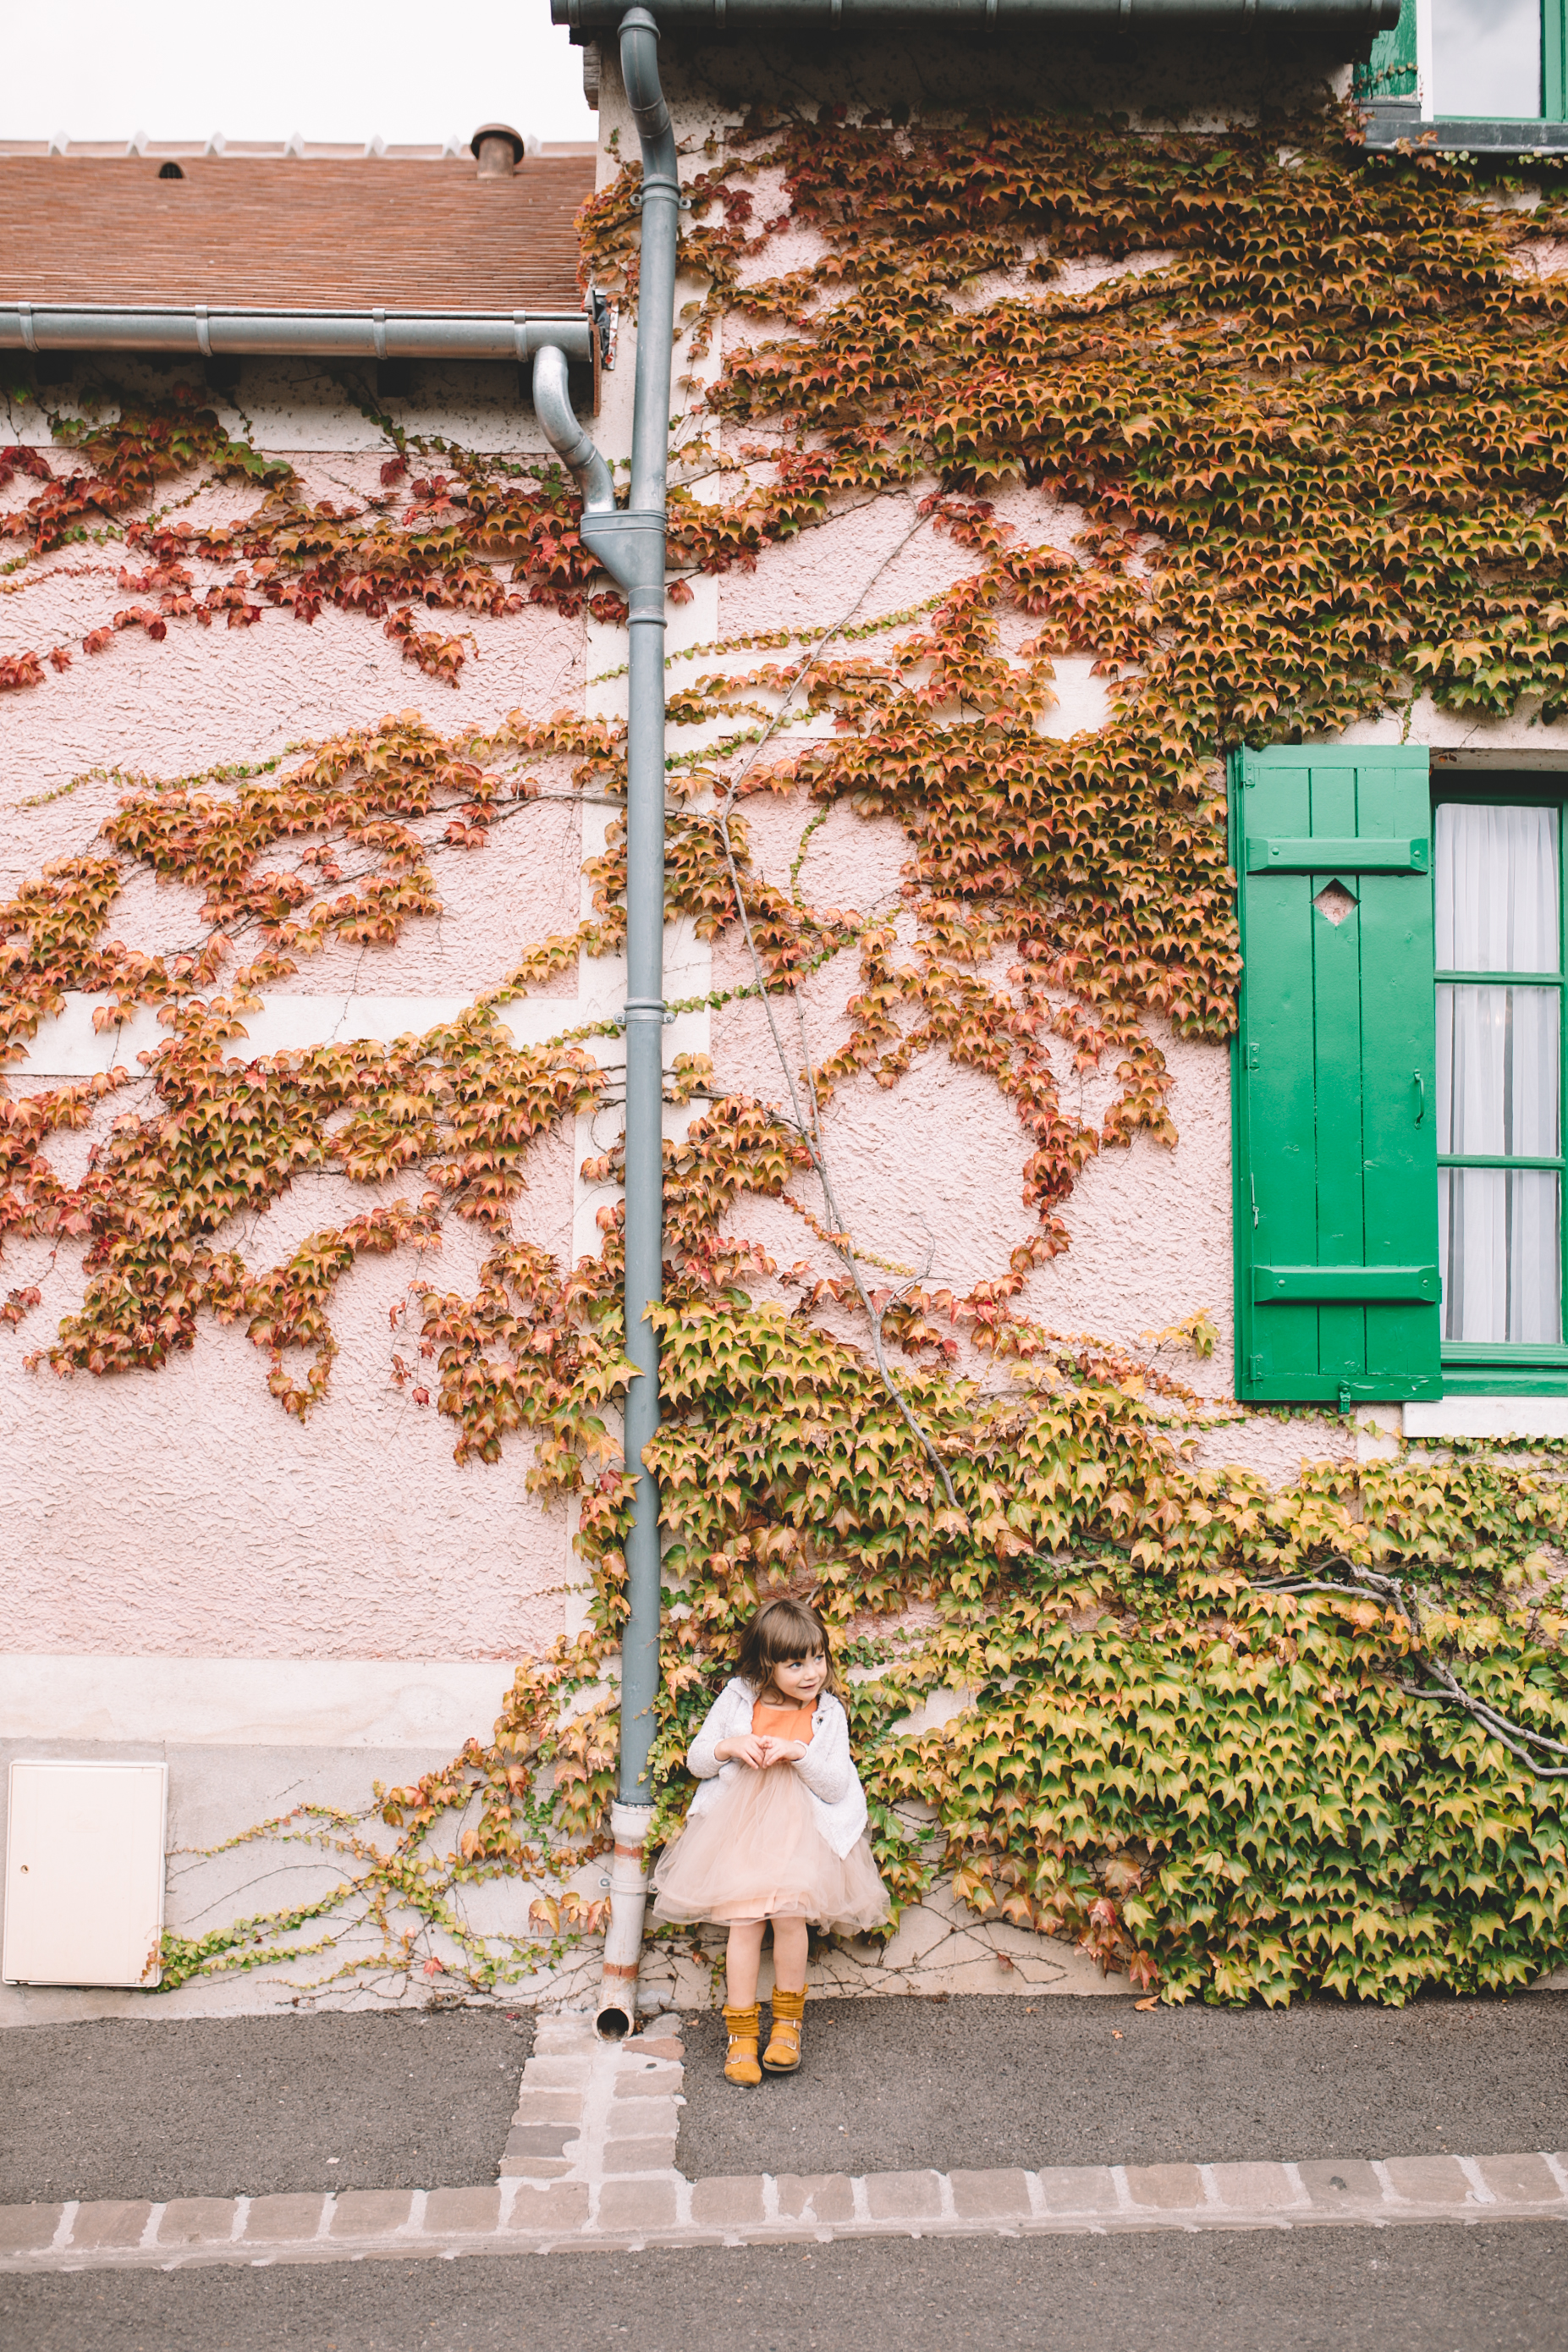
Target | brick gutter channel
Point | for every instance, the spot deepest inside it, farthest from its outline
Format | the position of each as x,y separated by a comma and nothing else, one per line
617,2109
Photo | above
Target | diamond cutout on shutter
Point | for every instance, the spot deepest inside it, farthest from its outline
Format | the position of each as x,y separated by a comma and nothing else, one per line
1335,902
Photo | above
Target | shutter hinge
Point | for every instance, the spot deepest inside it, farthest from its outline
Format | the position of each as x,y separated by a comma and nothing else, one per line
1252,1183
1345,1396
1254,1368
1251,1058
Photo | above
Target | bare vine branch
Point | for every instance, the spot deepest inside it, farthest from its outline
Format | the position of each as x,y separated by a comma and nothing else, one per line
809,1124
1445,1688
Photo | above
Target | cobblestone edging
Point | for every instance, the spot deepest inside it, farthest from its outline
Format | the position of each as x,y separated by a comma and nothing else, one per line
590,2162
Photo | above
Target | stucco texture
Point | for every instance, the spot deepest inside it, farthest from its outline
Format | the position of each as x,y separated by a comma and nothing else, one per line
929,1172
207,695
182,1512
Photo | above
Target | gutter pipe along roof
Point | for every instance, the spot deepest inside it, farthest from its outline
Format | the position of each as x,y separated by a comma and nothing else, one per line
372,334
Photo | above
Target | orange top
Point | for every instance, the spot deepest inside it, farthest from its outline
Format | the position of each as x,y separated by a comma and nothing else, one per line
783,1722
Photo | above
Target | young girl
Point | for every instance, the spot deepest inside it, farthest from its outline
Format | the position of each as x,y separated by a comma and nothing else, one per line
777,1832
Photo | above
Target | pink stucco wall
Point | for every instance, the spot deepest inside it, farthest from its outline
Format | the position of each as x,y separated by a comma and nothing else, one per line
181,1513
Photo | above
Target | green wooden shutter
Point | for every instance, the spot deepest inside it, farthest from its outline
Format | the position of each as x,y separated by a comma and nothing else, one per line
1337,1291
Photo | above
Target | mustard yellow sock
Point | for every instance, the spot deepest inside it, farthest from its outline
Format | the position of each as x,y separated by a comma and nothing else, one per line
783,2054
744,2026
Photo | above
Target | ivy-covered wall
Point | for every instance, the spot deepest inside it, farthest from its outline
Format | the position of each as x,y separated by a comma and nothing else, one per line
1028,462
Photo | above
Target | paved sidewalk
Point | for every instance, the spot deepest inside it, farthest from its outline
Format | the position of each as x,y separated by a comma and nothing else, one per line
981,2085
589,2164
255,2105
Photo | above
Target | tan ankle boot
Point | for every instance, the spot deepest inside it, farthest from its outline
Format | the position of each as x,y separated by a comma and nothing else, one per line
745,2030
783,2054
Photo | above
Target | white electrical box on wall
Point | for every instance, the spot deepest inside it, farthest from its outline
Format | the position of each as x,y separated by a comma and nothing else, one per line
84,1874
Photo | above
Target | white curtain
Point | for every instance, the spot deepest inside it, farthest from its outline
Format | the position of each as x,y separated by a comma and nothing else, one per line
1498,1068
1497,888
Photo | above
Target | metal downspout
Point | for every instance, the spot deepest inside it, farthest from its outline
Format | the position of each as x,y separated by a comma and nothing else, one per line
629,542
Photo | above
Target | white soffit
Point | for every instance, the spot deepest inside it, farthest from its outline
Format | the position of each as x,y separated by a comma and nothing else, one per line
1488,1416
84,1874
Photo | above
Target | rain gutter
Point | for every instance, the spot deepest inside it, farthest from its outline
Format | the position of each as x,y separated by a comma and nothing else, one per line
1355,20
370,334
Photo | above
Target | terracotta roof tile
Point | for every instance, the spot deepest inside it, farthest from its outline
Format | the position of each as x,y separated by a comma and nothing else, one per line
295,235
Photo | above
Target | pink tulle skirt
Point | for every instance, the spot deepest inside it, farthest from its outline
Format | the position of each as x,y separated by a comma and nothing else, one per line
759,1854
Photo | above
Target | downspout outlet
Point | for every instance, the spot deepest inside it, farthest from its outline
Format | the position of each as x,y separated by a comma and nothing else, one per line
623,1937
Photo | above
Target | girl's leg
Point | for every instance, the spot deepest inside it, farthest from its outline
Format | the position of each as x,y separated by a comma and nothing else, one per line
792,1944
742,1959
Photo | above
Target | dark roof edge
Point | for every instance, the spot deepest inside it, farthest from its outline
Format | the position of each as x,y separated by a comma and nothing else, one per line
1353,21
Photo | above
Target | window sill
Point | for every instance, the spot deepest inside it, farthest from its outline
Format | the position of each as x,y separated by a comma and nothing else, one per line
1502,1364
1390,121
1542,1412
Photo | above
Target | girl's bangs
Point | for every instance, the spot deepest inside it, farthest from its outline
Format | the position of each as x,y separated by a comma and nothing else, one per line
780,1650
784,1632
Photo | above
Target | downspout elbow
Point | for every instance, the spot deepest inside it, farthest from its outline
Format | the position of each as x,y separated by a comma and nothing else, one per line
640,74
552,407
661,205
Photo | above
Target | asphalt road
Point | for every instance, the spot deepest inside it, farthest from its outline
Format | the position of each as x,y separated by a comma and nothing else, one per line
1502,2289
894,2084
248,2105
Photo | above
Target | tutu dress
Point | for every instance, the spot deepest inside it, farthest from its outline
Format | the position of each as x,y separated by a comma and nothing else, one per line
763,1844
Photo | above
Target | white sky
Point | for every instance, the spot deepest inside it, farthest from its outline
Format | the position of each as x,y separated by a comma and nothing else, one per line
327,69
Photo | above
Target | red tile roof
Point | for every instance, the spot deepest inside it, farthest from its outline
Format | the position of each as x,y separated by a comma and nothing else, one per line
292,235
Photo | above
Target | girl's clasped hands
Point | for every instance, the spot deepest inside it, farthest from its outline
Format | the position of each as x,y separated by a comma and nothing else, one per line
799,1681
755,1748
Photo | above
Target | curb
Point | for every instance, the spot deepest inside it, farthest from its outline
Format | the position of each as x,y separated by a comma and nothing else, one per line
664,2208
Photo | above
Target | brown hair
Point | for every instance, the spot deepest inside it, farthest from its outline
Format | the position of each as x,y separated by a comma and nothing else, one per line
780,1633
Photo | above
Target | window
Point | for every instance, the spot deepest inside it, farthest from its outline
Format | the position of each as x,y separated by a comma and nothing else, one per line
1486,58
1399,1078
1499,916
1480,73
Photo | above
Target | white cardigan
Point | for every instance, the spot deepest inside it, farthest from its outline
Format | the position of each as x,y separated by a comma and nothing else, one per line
826,1768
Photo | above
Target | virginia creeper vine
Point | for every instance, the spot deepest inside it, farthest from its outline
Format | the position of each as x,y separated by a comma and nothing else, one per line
1314,455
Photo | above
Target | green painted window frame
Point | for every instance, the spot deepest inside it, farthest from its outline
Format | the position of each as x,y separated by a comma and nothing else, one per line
1391,70
1386,84
1477,1367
